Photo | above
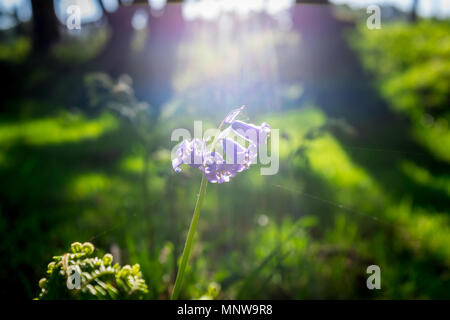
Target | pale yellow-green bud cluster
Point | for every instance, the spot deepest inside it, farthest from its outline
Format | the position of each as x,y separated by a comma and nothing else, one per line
80,275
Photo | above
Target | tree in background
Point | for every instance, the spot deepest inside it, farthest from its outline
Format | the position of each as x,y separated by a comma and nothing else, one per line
116,51
45,26
413,15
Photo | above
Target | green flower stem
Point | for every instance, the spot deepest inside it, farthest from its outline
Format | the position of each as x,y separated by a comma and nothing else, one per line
190,237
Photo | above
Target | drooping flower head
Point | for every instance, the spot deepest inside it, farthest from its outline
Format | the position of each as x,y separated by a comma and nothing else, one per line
217,167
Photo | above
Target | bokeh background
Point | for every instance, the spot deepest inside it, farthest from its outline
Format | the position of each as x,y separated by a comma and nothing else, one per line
364,178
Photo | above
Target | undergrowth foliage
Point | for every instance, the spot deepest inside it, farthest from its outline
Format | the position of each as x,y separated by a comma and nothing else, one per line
98,277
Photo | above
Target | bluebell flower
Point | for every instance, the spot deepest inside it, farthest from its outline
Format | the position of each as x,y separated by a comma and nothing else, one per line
238,158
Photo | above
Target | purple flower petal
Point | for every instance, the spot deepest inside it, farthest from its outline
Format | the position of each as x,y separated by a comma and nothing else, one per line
238,155
255,134
216,169
189,152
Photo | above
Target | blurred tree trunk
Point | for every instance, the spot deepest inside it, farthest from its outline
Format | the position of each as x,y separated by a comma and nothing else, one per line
20,28
45,25
413,15
114,56
325,57
158,58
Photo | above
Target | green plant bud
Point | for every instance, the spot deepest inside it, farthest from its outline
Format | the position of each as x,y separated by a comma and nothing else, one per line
125,272
135,270
107,259
88,247
50,267
99,278
42,283
76,247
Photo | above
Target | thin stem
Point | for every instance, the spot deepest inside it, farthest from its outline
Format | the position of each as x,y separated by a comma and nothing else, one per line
190,237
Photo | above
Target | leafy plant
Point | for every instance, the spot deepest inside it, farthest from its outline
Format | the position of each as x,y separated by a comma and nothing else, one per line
412,69
79,274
